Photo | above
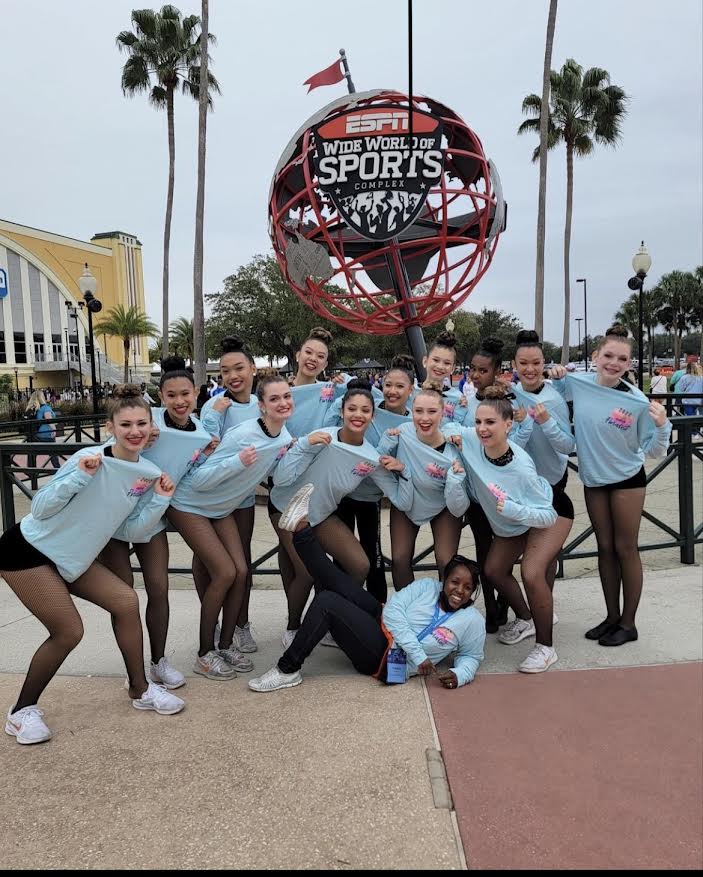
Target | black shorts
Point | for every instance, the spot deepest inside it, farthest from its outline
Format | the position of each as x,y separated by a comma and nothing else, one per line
639,479
16,553
561,502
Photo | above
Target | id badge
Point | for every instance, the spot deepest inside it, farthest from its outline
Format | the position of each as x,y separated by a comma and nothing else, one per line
396,667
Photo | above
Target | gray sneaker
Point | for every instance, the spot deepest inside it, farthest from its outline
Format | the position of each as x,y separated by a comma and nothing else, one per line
245,641
236,659
213,666
273,679
297,508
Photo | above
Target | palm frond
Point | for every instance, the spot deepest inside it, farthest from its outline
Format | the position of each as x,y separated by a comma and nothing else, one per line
125,39
135,76
145,21
583,145
532,105
529,126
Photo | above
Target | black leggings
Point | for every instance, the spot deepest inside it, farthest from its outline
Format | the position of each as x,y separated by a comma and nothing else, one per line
367,517
340,607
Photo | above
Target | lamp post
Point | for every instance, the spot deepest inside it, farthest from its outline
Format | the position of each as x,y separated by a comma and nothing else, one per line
578,321
68,361
73,312
88,286
641,263
17,383
585,320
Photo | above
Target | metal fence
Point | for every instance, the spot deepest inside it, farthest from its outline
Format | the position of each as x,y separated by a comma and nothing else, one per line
682,450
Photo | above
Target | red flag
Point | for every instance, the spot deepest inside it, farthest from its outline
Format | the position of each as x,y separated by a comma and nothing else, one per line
328,76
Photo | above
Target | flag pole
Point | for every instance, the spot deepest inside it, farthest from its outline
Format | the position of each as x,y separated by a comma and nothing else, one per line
347,74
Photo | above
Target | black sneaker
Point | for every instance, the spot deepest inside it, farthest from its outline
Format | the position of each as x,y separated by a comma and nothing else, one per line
618,636
601,629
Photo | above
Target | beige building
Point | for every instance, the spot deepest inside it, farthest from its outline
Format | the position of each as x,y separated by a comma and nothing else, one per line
43,324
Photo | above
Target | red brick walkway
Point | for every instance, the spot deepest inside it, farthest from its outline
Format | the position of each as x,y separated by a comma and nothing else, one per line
588,769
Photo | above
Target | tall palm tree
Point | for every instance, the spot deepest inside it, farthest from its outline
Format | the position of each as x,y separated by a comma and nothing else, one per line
584,107
199,359
543,149
165,46
126,323
181,338
629,313
680,291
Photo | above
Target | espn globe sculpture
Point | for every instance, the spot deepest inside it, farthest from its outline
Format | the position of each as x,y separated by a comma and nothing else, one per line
382,221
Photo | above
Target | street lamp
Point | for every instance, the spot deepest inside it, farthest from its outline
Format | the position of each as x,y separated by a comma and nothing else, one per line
641,263
88,286
579,320
73,312
585,320
68,361
17,383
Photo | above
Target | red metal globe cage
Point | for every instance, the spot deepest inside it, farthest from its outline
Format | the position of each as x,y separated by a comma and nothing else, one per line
441,256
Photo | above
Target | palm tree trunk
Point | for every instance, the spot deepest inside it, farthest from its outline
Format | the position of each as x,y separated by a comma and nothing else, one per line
567,251
169,213
543,149
198,307
125,343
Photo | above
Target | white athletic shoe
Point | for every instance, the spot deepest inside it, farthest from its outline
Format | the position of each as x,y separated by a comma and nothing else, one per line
236,659
157,698
515,631
164,674
328,640
245,641
540,659
27,725
297,508
213,666
273,679
288,637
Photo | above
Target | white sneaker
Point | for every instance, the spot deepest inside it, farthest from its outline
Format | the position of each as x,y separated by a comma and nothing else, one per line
157,698
213,666
328,640
515,631
273,679
245,641
27,726
236,659
540,659
288,637
164,674
297,508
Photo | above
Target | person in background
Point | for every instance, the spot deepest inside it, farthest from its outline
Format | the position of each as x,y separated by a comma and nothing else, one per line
203,396
218,388
659,384
41,410
691,382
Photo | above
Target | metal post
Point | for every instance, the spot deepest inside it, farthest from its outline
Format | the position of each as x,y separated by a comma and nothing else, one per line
578,322
640,335
585,322
68,360
347,74
686,528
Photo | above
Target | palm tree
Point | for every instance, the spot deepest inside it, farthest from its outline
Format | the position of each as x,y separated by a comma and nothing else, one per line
126,323
181,338
543,149
680,291
628,315
584,107
199,358
164,46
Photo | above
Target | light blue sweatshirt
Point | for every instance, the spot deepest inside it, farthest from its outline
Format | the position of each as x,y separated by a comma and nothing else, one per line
74,516
382,420
221,483
219,422
174,452
528,497
408,612
614,430
336,470
435,486
550,443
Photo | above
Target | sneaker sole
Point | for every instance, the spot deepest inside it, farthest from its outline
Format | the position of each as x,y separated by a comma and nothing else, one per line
248,650
215,678
292,513
540,669
13,733
277,688
512,642
161,712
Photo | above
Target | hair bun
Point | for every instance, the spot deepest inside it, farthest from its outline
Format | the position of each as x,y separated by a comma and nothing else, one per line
527,337
446,339
404,361
232,344
492,346
127,391
496,391
318,333
173,363
617,330
358,384
433,386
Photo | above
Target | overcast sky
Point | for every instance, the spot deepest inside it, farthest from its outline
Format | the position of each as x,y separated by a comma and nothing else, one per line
76,157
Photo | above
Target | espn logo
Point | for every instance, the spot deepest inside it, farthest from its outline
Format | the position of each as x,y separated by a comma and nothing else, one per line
369,123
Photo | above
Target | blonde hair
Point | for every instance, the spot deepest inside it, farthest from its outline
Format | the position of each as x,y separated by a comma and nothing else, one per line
36,400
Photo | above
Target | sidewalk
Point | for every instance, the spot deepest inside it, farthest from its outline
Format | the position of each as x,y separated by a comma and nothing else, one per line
333,774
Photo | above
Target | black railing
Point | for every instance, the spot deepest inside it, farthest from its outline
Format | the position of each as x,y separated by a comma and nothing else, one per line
673,402
681,453
76,427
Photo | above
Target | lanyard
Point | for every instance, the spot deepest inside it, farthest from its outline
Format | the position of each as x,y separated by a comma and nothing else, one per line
436,621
